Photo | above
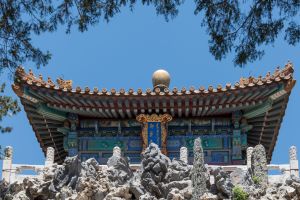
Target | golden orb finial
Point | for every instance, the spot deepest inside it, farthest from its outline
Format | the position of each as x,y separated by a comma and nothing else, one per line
161,78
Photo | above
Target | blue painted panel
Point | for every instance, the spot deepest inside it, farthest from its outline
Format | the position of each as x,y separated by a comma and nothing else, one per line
174,143
135,160
236,145
154,133
72,152
225,142
134,144
172,155
134,157
106,155
219,157
72,143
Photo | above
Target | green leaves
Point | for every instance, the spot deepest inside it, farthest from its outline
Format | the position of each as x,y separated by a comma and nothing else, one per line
235,26
244,26
239,193
8,106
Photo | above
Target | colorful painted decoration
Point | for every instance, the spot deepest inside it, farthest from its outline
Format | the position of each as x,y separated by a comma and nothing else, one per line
72,143
236,145
154,129
154,133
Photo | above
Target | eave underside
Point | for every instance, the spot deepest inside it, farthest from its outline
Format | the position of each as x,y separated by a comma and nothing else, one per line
45,131
265,126
262,101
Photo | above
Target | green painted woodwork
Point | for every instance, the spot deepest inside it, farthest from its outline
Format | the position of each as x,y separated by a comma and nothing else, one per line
244,140
65,143
207,143
51,113
236,145
212,143
258,110
246,127
63,130
72,143
104,145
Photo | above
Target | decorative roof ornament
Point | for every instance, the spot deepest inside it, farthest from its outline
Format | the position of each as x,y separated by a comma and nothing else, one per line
64,84
161,82
160,79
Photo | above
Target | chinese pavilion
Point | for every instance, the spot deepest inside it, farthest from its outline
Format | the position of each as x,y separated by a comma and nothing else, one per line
90,123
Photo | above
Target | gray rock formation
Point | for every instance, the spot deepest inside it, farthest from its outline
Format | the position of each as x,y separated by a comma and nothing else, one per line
154,170
222,183
209,196
118,170
158,179
178,170
199,171
162,178
259,169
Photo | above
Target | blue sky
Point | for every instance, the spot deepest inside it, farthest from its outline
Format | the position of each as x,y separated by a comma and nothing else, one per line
125,52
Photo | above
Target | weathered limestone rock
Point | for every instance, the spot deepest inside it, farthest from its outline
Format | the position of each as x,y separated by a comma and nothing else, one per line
147,196
223,183
158,179
249,155
162,178
121,192
118,170
240,177
259,169
154,169
198,172
67,174
117,151
286,192
184,154
178,170
3,189
209,196
135,186
174,194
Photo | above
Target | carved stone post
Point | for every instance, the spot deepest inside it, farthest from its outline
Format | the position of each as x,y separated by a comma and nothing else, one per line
49,157
117,151
294,165
249,154
184,154
7,163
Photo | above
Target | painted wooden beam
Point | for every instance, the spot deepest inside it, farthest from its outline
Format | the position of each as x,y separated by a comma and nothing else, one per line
51,113
259,110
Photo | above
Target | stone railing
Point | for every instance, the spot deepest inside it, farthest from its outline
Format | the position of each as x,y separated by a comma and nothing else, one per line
13,172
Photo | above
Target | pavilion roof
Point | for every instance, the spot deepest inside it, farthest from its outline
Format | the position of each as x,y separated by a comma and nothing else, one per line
262,100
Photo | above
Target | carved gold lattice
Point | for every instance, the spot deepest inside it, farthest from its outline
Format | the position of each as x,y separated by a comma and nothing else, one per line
154,118
164,135
145,135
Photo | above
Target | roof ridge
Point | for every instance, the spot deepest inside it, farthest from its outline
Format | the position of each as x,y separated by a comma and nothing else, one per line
285,73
